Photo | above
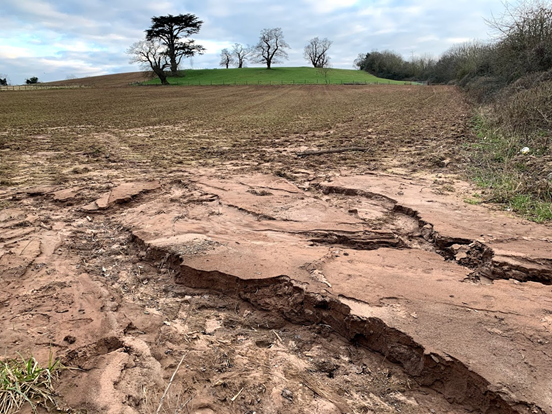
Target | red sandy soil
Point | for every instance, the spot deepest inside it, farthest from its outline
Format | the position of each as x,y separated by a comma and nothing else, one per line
191,253
369,293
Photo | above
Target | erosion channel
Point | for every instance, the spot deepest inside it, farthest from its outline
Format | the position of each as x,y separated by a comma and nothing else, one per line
367,293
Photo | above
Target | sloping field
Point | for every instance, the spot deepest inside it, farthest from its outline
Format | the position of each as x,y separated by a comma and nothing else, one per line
107,81
232,76
407,127
274,249
276,76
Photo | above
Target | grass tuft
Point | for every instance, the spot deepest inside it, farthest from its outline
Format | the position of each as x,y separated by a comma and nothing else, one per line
25,381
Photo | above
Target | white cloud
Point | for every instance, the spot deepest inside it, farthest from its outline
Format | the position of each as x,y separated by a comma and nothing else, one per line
78,37
330,6
14,52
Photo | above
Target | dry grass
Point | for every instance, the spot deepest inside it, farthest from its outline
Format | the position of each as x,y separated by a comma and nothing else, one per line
25,381
514,167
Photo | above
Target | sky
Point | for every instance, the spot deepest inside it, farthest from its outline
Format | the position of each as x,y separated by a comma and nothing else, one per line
62,39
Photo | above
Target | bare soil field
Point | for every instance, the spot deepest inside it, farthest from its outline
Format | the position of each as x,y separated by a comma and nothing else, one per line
299,249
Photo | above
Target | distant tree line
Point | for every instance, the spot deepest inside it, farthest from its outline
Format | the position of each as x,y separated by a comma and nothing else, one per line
391,65
522,49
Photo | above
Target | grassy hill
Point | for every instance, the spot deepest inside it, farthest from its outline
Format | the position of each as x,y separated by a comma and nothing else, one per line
275,76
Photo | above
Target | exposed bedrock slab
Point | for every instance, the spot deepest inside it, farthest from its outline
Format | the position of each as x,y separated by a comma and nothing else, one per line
369,263
505,247
120,194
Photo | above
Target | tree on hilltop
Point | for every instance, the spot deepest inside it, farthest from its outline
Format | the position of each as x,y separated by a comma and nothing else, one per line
31,81
226,58
174,32
271,47
151,54
316,52
360,61
241,54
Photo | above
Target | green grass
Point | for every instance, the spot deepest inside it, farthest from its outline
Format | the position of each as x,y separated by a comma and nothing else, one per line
25,381
517,181
274,76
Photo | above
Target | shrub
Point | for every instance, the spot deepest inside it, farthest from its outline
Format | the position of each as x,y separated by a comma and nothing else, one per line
527,111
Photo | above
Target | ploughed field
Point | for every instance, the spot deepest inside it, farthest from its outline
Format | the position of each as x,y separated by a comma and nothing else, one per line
274,249
123,130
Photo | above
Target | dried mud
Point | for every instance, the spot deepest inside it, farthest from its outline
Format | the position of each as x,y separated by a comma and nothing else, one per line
287,285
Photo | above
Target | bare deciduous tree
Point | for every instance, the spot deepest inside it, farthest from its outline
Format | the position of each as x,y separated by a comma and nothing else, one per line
316,52
271,47
360,61
241,54
226,58
524,33
151,54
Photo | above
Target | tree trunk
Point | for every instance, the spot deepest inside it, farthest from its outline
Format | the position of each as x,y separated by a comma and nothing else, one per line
174,67
268,64
161,75
172,58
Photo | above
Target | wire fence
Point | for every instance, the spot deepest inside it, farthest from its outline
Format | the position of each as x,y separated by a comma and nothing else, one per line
281,82
37,87
219,83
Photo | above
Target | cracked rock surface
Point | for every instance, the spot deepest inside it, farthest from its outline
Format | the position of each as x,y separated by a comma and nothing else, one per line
360,243
223,270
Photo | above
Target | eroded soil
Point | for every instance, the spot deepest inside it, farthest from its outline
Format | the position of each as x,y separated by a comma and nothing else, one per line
267,282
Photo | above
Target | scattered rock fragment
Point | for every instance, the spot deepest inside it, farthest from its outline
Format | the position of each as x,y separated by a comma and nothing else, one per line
122,194
66,195
287,394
